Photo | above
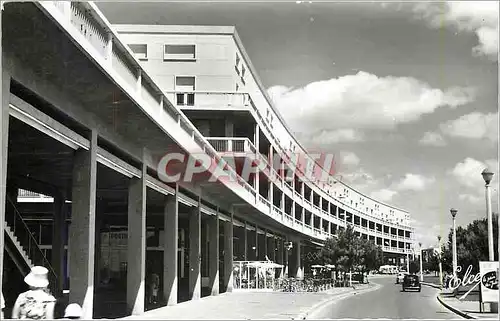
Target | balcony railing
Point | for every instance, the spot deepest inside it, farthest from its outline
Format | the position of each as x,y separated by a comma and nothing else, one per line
209,100
230,144
85,23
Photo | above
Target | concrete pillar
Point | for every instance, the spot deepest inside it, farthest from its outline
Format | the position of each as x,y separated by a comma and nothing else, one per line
82,228
245,239
4,140
59,231
270,196
266,245
229,127
228,255
170,245
257,172
136,246
272,246
300,268
195,252
295,262
213,256
256,242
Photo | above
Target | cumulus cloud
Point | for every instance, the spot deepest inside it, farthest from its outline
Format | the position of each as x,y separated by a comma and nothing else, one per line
432,139
326,137
468,172
414,182
479,17
383,195
474,125
471,198
349,158
362,101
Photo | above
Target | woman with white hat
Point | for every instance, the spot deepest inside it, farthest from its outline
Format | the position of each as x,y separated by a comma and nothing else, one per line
35,303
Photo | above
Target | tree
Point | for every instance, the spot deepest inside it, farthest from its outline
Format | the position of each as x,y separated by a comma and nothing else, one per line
472,245
348,253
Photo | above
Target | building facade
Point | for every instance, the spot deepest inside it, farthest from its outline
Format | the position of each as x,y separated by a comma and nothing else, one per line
89,110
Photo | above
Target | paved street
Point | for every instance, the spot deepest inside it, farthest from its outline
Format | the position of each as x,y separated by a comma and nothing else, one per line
388,302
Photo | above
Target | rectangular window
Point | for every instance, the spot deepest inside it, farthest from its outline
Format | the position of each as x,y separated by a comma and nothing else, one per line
237,60
180,52
184,86
243,71
184,83
140,51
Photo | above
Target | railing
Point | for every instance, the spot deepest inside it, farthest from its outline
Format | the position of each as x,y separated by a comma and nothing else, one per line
284,153
264,201
112,53
28,242
29,194
204,99
230,144
89,22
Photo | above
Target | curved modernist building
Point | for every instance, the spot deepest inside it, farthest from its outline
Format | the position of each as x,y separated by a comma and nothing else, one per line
90,110
207,73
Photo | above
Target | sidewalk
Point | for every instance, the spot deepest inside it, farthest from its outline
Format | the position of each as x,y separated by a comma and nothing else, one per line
248,305
466,309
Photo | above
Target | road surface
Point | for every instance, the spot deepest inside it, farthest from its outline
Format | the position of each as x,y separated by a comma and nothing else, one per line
388,302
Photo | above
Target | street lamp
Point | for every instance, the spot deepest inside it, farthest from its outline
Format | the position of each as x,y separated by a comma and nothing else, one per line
487,176
439,262
421,270
454,242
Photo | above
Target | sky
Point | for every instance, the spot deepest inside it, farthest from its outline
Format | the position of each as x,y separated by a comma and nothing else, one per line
404,94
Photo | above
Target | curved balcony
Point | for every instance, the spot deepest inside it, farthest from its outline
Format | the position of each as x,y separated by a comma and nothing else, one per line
242,146
87,27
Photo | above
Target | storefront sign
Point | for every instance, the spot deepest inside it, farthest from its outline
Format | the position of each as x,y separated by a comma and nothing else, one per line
489,281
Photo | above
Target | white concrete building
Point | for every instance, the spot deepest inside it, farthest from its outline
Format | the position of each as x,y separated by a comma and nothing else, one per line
85,121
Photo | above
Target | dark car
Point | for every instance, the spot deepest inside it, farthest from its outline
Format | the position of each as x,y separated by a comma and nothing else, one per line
411,282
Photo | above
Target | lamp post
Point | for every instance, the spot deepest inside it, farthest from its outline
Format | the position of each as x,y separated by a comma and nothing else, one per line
454,242
421,270
487,176
439,262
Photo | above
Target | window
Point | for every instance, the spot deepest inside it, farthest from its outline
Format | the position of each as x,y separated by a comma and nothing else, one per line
140,51
237,87
243,71
180,52
237,60
184,86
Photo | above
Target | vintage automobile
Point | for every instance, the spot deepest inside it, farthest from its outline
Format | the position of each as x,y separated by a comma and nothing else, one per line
411,282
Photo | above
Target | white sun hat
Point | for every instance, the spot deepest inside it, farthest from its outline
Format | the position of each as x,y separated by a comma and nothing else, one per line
73,310
37,278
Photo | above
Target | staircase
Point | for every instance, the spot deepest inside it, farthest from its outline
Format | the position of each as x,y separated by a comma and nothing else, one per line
23,248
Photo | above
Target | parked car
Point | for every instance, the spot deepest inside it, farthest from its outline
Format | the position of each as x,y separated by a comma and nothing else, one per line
411,282
400,277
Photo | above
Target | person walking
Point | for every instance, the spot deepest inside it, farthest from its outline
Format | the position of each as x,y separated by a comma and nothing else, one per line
36,303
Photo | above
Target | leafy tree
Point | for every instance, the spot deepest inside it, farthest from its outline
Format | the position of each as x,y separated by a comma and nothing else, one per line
472,245
348,252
